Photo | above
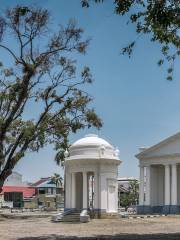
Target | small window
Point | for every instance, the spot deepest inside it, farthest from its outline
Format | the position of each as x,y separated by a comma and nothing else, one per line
41,191
40,203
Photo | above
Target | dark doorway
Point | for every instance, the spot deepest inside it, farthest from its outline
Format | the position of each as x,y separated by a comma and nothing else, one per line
15,197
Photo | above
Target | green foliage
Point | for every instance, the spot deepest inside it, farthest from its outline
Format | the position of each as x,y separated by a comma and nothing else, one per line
125,201
131,197
157,18
42,73
57,179
86,3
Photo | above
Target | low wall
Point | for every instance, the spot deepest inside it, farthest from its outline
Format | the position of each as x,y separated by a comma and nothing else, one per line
166,209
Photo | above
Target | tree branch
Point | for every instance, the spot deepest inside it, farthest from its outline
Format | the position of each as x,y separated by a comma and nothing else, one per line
11,53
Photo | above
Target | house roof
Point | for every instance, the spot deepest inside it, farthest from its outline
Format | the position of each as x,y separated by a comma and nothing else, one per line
27,191
156,146
123,189
44,183
39,182
126,179
47,184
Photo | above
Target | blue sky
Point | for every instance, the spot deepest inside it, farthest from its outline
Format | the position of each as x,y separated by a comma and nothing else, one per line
139,107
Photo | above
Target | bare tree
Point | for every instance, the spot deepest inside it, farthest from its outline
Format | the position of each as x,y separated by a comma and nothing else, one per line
41,75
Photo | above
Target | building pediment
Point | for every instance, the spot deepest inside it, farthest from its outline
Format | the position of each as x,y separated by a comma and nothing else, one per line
169,146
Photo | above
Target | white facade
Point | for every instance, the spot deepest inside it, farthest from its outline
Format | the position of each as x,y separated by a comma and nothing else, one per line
15,179
160,177
91,170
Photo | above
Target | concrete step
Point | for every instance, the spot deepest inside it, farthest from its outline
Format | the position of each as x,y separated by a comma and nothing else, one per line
73,214
71,217
70,220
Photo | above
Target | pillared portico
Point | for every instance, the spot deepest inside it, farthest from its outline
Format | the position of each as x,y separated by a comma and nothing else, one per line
160,177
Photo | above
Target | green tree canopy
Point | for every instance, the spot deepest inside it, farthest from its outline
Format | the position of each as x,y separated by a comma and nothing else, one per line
158,18
131,197
57,179
42,75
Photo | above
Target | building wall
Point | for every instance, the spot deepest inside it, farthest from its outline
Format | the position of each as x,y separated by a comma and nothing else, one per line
30,204
107,176
178,185
108,182
157,185
15,179
1,199
169,148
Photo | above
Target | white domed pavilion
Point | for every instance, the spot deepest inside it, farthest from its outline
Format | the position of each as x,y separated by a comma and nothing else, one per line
91,169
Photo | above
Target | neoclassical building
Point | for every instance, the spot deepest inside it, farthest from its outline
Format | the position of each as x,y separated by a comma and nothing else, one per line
91,169
160,177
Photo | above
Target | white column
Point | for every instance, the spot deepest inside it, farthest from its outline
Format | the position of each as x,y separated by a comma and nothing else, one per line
96,184
67,188
73,189
148,187
84,190
167,185
141,186
174,185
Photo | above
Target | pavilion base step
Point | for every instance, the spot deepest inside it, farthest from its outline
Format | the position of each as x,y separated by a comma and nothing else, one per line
71,217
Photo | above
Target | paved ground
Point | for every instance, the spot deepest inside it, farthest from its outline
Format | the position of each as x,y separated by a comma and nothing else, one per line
42,228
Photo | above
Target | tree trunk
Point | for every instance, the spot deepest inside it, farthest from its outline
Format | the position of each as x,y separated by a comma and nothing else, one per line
3,175
1,185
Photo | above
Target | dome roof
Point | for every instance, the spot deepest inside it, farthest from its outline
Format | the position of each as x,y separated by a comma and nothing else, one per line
92,148
91,140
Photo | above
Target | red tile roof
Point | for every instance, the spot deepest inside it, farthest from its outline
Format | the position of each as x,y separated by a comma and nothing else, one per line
42,180
27,191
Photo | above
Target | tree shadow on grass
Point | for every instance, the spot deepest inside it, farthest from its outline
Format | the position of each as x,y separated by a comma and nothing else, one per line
170,236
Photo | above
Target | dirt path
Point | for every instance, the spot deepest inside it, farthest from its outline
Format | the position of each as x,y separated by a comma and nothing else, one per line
43,228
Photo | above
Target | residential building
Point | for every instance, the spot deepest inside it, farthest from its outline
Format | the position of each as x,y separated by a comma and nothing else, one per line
41,194
47,194
14,191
